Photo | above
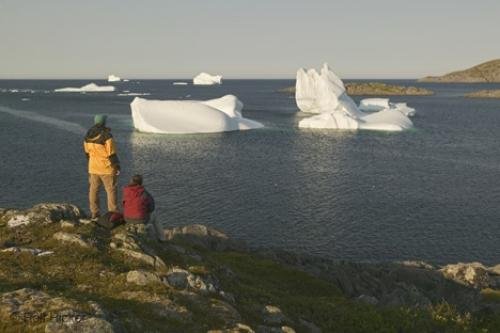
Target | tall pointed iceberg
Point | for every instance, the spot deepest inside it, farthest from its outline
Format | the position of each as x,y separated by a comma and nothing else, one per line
324,93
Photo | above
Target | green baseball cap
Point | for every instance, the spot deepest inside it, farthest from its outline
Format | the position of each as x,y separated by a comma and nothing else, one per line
100,119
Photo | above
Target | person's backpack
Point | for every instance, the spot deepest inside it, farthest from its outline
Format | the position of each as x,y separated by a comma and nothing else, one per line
110,220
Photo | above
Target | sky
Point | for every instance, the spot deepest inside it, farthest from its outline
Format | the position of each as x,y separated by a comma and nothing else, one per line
244,38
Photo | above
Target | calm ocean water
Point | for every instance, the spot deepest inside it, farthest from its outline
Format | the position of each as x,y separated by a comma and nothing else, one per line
432,193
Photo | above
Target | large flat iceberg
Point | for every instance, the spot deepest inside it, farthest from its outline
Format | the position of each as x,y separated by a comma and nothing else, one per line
113,78
182,117
324,93
91,87
207,79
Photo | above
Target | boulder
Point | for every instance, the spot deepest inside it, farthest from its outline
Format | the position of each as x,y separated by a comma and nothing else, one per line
70,239
70,322
473,274
154,261
35,252
130,246
273,315
178,278
142,278
182,279
43,213
59,314
203,236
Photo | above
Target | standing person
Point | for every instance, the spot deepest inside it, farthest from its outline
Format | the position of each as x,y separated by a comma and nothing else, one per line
104,166
138,204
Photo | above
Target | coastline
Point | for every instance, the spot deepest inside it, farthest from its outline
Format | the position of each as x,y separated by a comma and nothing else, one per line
199,279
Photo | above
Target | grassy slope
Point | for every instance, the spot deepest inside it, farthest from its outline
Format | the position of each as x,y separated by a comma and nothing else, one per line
96,274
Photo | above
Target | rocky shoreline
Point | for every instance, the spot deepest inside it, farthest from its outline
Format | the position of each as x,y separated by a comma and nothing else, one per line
60,272
377,89
484,94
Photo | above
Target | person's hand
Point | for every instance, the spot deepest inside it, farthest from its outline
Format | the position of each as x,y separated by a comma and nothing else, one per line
117,172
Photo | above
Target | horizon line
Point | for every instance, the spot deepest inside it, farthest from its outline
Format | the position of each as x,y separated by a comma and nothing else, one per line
191,79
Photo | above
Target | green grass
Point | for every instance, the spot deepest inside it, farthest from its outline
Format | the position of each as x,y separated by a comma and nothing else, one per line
97,274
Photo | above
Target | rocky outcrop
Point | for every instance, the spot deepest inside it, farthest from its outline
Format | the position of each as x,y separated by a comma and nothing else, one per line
73,239
202,236
384,89
485,72
142,278
414,284
473,274
484,94
79,277
36,308
42,213
377,89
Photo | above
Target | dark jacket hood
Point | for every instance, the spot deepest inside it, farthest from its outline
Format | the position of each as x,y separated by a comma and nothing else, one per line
98,134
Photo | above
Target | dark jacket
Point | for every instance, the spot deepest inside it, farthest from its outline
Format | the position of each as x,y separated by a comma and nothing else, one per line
101,151
137,203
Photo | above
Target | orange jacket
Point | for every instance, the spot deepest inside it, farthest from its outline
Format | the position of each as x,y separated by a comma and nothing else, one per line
101,151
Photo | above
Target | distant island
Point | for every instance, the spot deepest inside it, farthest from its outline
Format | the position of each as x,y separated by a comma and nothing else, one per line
377,89
485,72
484,94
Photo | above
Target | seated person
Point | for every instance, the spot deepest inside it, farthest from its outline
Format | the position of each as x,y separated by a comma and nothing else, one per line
138,204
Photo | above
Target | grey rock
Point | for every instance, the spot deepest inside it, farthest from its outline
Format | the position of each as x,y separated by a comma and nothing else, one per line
43,213
130,246
178,278
153,261
182,279
472,274
272,315
142,278
60,314
35,252
203,236
367,299
78,323
71,239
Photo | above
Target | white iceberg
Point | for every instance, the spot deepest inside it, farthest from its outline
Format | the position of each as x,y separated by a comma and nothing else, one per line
207,79
379,104
91,87
113,78
182,117
325,93
180,83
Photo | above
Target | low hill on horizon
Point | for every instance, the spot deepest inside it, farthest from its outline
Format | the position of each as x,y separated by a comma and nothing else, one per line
482,73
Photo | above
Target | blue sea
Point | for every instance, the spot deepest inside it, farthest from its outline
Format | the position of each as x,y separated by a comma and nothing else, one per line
431,193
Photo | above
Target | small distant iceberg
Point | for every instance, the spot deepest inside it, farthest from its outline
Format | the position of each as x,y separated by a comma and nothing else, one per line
180,83
114,78
206,79
133,94
190,116
91,87
324,93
